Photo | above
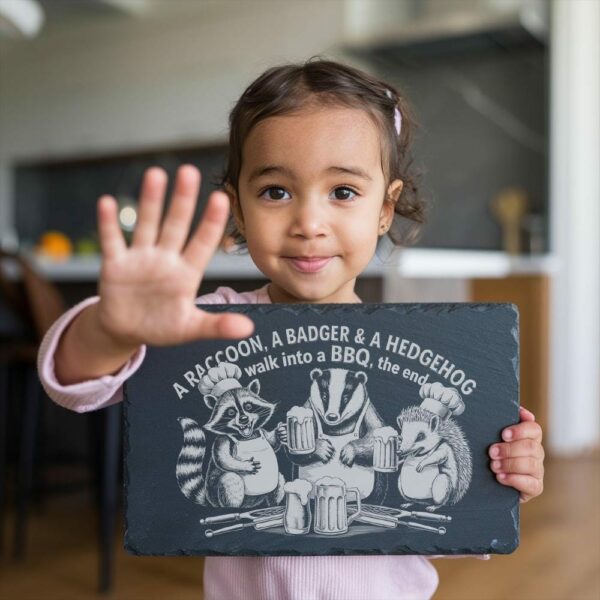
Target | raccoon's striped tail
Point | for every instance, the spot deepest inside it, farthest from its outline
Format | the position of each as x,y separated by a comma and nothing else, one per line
189,463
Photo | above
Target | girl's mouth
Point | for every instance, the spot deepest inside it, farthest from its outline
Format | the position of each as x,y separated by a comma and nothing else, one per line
308,265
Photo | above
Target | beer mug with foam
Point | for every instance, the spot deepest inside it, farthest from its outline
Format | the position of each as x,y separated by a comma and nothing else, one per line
297,516
331,506
300,430
385,449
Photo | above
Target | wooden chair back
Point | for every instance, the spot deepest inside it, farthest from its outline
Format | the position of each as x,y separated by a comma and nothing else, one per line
43,301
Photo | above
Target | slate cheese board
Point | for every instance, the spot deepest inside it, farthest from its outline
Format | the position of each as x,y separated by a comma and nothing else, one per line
331,429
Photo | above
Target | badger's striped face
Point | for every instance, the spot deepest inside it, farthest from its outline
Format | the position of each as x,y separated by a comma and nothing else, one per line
338,394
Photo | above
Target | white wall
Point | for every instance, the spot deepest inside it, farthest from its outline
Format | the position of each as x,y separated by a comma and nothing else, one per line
132,83
575,226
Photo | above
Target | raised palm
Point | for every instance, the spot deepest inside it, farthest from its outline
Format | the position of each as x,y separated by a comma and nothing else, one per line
148,290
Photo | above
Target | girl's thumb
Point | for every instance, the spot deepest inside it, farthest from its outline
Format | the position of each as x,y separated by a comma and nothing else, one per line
206,325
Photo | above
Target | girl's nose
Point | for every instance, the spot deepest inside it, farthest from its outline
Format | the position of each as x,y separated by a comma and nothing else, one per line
309,218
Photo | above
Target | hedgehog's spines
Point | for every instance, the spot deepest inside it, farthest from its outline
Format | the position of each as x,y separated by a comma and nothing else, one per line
451,432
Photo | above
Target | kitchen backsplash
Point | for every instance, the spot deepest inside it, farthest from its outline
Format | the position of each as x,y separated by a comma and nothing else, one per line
483,128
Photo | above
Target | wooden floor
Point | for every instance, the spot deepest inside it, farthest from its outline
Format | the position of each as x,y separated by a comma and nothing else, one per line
559,556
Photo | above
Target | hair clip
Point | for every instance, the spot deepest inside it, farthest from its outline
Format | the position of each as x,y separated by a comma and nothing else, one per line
397,115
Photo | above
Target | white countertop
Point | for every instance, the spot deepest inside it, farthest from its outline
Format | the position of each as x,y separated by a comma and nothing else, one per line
410,263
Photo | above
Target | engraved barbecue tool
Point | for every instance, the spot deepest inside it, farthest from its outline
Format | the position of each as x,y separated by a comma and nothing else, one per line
258,524
259,513
384,516
380,522
401,514
392,522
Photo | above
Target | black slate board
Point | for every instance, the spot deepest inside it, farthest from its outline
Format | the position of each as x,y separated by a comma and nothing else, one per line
457,367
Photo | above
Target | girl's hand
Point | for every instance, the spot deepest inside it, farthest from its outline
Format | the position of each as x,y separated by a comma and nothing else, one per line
148,290
519,462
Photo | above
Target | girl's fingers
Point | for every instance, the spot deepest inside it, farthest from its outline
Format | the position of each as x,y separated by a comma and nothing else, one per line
206,325
526,415
525,465
181,210
209,232
524,429
150,207
527,447
112,242
528,485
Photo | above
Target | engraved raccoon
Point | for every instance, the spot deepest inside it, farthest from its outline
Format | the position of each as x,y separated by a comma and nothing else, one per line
242,470
344,421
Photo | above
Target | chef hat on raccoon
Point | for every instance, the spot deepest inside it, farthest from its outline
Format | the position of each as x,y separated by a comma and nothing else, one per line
440,400
220,379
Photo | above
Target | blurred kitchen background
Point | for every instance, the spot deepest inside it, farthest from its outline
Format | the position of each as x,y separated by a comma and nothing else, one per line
507,92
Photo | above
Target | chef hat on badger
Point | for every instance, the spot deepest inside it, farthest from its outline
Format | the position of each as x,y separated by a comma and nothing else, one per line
220,379
440,400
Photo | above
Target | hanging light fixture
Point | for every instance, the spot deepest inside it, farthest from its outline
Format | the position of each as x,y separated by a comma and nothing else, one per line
21,18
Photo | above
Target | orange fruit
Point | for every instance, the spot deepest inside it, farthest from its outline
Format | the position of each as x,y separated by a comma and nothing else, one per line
55,245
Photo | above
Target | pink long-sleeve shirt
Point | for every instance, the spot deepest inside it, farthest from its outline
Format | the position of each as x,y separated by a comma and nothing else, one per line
381,577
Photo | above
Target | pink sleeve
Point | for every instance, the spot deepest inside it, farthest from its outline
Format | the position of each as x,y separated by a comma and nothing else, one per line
92,394
479,556
87,395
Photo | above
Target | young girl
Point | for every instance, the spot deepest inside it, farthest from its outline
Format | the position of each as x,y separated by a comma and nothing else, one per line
318,171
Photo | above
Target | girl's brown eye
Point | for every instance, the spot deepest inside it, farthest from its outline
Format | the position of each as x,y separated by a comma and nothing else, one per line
347,189
279,191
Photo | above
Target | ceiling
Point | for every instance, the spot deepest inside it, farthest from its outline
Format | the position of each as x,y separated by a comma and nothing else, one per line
61,13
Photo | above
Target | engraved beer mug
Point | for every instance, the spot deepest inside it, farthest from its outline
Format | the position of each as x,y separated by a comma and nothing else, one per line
385,449
297,516
331,506
300,430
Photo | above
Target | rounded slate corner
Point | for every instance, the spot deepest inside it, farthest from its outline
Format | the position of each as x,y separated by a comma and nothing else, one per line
129,548
515,308
514,546
506,548
511,306
129,544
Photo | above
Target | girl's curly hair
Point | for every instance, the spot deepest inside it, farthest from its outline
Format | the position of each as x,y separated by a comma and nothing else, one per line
287,88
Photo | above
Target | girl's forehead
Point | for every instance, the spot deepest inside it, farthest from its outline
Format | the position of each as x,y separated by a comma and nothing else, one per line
332,135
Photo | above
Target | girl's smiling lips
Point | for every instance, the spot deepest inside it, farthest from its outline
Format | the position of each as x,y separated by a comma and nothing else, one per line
308,264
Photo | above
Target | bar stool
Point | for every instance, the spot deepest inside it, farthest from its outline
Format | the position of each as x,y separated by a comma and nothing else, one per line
40,308
18,348
38,304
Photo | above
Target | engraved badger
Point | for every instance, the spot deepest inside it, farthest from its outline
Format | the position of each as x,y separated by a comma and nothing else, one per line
344,421
243,469
437,467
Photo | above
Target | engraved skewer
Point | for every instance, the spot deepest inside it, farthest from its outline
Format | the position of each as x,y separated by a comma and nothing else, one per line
261,524
251,514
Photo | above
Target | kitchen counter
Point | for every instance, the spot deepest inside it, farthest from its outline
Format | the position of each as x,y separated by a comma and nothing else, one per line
410,263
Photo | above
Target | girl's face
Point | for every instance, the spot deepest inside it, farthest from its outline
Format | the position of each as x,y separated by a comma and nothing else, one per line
311,202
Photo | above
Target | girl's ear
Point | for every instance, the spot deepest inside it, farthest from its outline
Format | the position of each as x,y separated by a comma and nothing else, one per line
236,209
387,210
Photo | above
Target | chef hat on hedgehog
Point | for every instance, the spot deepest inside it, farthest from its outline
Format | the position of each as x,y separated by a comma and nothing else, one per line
440,400
220,379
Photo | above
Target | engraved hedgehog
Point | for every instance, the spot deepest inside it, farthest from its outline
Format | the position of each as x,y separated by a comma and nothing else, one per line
436,464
